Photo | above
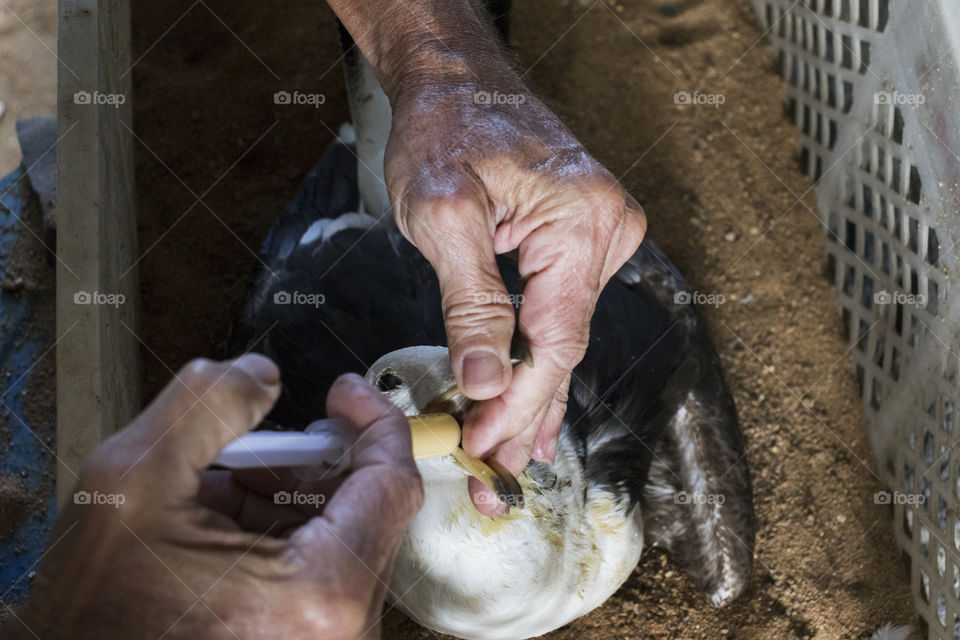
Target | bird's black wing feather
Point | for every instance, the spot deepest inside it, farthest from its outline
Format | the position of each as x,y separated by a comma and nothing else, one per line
624,391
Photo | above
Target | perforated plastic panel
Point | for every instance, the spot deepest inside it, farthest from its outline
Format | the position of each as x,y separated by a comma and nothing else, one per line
874,87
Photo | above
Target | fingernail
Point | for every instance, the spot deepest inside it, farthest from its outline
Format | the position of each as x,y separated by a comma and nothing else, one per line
259,367
482,369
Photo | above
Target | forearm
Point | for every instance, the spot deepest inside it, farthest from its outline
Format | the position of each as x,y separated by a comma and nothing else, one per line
417,42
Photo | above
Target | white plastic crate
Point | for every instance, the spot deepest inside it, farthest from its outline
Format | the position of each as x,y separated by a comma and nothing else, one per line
874,87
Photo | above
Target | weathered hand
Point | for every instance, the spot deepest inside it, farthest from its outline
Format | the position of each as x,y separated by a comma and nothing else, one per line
140,556
478,169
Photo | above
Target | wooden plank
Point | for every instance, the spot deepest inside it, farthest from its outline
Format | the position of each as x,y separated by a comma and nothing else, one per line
97,293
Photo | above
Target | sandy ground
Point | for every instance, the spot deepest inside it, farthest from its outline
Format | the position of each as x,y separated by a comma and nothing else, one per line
724,198
28,69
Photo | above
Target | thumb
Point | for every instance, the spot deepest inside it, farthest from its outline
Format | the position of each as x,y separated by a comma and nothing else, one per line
370,511
456,237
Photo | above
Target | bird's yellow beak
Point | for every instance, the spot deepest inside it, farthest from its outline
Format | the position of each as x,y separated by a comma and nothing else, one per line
453,406
439,433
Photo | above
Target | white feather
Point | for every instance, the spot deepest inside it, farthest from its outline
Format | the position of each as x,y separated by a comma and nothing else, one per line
325,228
890,632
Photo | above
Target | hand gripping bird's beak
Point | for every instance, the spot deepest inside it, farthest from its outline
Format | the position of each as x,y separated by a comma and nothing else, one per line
491,473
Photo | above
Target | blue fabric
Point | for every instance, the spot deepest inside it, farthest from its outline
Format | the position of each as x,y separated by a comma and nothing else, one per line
25,455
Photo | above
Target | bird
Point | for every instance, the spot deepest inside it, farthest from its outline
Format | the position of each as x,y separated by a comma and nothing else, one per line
650,452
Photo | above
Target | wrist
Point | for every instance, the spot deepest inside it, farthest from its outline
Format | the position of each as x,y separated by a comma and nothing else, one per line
423,60
411,45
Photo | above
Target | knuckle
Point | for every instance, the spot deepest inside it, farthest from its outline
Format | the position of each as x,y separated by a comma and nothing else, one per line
444,222
560,405
411,487
612,206
217,388
404,493
230,405
407,503
472,311
105,468
609,201
602,216
440,201
352,609
554,420
346,383
636,224
639,227
443,209
562,349
568,355
199,374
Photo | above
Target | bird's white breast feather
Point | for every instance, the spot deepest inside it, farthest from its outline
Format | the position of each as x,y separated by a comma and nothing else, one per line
561,555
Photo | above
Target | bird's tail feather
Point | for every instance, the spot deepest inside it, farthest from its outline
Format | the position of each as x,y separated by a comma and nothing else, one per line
697,500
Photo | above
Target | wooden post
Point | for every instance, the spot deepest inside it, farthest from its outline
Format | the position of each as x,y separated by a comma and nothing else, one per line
97,294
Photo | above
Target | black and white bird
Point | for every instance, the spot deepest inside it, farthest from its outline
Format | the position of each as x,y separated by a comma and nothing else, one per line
650,452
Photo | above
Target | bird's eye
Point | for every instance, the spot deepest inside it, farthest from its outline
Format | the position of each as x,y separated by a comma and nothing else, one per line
388,381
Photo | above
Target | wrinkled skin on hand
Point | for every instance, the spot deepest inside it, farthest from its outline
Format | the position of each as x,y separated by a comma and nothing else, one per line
205,554
473,180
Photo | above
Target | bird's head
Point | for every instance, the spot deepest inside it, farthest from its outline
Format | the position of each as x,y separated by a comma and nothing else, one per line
417,379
